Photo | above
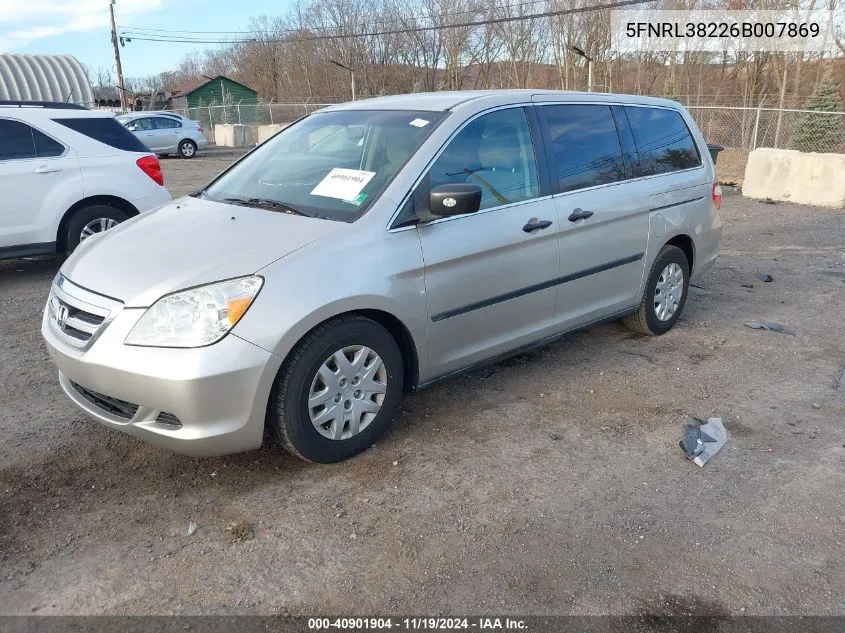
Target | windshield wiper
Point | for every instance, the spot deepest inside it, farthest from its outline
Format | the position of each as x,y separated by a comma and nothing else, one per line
266,203
467,171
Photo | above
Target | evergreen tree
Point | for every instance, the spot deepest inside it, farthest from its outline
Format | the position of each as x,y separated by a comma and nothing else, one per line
820,132
669,90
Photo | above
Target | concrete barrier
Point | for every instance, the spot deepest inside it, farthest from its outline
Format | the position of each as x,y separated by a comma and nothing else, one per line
792,176
264,132
228,135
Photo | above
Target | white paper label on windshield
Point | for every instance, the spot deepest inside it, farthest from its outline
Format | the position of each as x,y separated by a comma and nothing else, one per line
343,184
419,122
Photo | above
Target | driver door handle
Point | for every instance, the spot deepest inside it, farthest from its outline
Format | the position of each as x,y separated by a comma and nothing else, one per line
47,169
579,214
534,224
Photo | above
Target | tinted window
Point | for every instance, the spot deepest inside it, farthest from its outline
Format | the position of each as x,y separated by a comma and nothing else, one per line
15,140
105,130
584,145
663,141
45,147
496,153
166,123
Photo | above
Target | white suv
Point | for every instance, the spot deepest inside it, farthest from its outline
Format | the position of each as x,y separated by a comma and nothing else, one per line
66,173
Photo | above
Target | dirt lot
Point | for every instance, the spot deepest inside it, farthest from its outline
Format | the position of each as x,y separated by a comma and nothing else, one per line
548,484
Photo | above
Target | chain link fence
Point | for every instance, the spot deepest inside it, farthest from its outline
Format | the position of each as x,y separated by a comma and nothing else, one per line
249,114
741,130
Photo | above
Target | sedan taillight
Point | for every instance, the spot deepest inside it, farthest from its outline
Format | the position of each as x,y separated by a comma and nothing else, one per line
150,166
717,195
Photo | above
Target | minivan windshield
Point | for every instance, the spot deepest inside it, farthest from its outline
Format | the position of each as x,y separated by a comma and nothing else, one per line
330,165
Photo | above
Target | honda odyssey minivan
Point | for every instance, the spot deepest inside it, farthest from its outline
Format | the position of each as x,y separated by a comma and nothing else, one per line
374,247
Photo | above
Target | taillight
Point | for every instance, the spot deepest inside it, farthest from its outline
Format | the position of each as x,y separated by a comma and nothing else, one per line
201,131
150,166
717,195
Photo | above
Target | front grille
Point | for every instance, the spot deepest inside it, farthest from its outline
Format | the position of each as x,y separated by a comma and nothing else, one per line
119,408
76,323
76,314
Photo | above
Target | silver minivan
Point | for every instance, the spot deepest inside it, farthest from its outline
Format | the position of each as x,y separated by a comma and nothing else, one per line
373,248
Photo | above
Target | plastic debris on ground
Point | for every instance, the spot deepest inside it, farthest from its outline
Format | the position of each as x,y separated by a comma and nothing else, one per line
765,277
769,325
192,527
703,439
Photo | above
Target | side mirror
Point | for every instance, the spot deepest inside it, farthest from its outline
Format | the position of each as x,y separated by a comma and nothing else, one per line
454,199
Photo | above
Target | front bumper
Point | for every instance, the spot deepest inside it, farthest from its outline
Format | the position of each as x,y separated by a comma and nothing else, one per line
218,394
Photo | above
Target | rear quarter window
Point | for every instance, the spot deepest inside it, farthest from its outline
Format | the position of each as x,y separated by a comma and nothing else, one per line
46,147
663,140
105,130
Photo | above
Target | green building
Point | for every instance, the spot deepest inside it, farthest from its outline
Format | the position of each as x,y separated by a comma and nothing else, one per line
240,100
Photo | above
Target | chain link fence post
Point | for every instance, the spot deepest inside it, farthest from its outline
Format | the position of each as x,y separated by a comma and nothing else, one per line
757,124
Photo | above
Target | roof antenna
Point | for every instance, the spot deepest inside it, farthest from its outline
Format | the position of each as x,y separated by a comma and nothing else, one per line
70,94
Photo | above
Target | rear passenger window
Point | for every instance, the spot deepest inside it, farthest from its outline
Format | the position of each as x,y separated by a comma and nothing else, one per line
663,140
16,140
45,147
166,123
105,130
495,152
584,145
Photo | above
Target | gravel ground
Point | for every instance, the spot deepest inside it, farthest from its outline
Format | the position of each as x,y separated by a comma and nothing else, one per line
548,484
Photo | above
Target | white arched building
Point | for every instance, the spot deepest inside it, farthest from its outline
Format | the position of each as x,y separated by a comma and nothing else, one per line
44,78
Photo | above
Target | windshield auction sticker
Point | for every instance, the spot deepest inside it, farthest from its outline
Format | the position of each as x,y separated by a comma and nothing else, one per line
343,184
721,31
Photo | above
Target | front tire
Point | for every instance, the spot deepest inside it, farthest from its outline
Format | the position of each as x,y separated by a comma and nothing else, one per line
665,294
89,221
338,390
187,148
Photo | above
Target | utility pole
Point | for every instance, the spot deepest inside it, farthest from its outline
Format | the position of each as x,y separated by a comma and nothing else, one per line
120,86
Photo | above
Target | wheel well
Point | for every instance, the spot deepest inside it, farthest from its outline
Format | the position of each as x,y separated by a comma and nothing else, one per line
684,242
403,338
400,334
110,201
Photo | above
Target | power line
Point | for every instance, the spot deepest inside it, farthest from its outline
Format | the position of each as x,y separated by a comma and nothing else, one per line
186,32
420,29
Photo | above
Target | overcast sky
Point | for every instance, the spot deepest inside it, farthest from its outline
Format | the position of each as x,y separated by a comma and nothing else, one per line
81,28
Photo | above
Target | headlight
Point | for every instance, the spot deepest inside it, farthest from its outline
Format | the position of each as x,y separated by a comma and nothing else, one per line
196,317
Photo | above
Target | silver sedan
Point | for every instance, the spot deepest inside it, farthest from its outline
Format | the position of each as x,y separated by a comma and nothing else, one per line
166,133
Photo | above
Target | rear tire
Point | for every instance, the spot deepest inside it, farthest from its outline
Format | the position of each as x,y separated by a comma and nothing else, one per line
665,294
187,148
329,421
88,221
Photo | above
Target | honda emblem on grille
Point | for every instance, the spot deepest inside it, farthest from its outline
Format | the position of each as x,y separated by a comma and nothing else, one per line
61,316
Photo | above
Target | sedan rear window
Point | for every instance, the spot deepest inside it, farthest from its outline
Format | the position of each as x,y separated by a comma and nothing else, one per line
105,130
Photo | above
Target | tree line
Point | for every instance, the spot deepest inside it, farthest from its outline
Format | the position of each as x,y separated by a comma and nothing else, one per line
400,46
